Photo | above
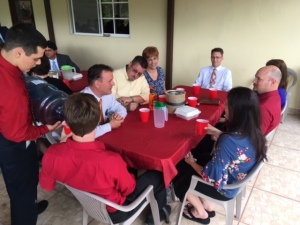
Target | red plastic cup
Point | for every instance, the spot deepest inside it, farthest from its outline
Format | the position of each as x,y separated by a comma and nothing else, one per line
213,93
192,101
67,83
196,89
67,129
144,114
201,124
162,98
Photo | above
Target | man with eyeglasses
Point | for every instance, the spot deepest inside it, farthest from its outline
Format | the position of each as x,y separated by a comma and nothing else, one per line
57,60
215,76
131,87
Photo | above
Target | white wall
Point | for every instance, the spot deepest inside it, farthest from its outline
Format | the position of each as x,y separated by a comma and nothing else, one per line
250,32
5,17
147,27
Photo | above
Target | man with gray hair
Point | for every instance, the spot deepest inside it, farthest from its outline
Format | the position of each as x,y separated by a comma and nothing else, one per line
266,83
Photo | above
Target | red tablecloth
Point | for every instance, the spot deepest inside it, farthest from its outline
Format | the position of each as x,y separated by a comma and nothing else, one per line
143,146
78,85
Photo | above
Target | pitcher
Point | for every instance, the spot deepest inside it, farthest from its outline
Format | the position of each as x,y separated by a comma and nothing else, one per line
160,114
68,72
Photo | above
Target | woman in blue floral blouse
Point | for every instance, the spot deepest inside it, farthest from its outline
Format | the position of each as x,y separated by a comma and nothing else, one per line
154,74
237,150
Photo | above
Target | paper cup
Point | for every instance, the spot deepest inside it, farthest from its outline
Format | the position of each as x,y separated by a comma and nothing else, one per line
162,98
144,114
201,124
196,89
213,93
192,101
67,129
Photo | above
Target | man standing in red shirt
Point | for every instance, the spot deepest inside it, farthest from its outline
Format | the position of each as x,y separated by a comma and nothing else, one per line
22,50
85,164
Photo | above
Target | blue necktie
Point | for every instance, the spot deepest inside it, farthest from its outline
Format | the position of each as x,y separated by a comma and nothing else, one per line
1,39
54,66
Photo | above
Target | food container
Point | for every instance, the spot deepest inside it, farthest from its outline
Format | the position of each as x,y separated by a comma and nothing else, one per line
187,112
174,99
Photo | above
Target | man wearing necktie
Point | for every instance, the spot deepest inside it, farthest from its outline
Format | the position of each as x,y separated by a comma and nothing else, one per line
112,113
57,60
215,76
18,153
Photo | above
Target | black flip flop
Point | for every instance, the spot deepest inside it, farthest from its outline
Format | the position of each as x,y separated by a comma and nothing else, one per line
210,213
193,218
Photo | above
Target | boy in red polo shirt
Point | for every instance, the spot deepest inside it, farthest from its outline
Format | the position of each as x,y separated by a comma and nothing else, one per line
85,164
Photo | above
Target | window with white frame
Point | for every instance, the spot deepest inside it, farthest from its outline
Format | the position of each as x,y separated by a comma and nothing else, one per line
100,17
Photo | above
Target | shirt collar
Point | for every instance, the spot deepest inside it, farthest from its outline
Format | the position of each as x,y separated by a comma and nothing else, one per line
267,94
217,68
94,145
14,70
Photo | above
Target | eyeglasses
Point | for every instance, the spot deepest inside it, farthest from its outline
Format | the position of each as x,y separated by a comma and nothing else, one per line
137,72
216,57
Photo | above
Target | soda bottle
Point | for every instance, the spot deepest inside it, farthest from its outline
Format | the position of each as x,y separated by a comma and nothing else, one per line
152,97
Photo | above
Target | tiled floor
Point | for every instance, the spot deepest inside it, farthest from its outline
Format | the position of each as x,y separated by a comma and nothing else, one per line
272,198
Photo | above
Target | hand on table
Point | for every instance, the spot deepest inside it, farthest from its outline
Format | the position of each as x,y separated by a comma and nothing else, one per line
124,100
133,106
115,123
116,116
214,132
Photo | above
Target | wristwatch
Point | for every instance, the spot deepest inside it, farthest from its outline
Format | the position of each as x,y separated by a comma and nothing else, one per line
132,100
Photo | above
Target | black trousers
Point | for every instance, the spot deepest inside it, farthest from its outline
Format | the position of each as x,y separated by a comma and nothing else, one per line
19,166
154,178
183,180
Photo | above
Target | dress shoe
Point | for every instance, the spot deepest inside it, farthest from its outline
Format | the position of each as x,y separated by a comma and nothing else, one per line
164,215
42,206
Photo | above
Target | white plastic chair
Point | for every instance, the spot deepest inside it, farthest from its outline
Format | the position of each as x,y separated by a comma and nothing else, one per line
294,77
269,136
95,206
227,205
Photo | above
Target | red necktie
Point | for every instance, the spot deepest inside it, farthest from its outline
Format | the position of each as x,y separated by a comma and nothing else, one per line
101,113
213,78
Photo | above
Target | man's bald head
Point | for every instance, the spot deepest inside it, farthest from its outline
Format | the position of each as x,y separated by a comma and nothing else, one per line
266,79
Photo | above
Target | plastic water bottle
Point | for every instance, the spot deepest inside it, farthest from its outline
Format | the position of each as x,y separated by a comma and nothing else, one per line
46,100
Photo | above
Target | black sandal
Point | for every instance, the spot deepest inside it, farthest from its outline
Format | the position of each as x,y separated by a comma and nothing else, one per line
210,213
193,218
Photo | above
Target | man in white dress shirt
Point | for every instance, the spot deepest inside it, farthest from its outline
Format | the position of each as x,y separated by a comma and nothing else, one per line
215,76
100,78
